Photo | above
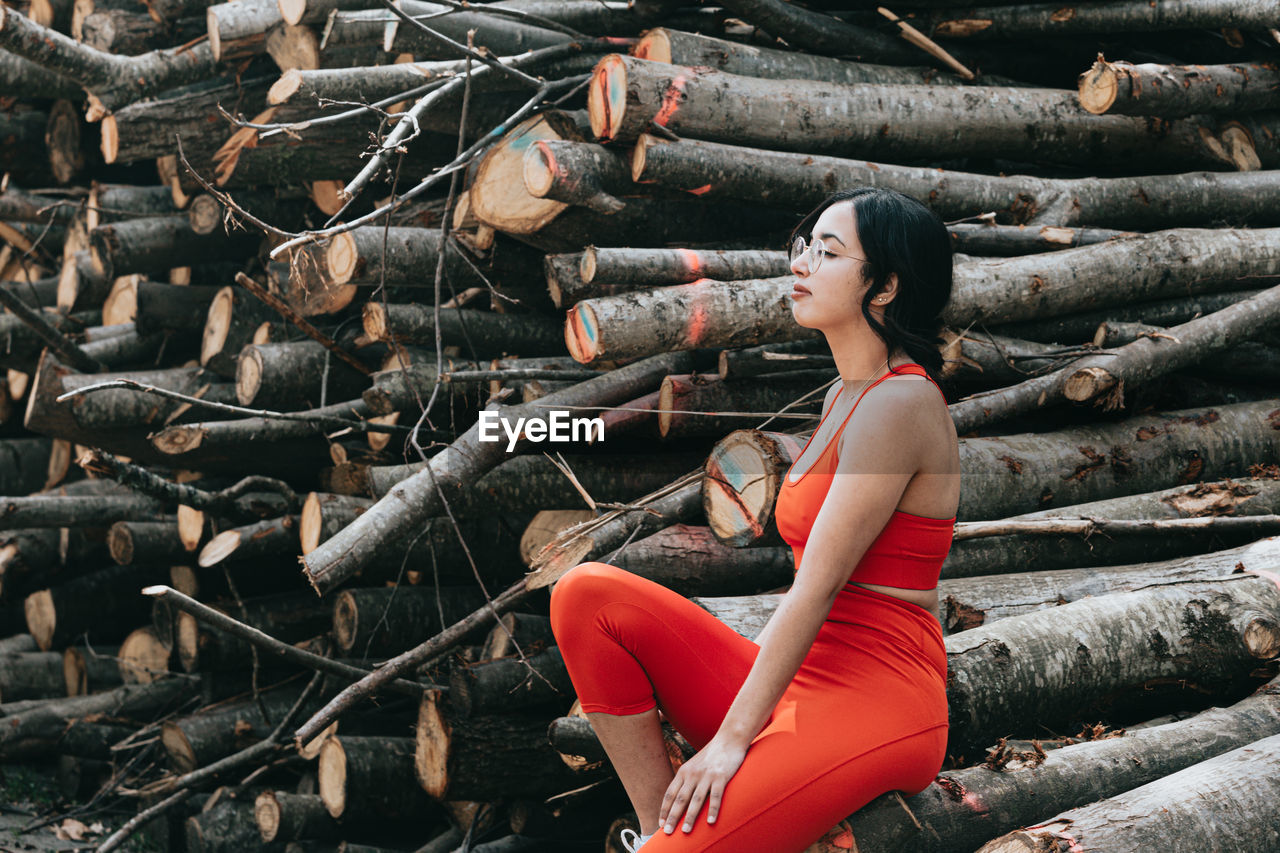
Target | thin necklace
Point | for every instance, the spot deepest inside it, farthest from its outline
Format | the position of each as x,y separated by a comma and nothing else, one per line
815,435
871,379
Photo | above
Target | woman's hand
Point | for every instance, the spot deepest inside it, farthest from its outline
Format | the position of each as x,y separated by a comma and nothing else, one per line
701,778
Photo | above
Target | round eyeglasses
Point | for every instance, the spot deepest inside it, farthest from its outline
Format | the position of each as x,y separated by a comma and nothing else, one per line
815,250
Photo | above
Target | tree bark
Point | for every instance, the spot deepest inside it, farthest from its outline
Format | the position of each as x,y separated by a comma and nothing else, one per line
885,121
577,173
1173,806
997,361
708,396
31,675
105,604
148,129
128,33
56,511
690,560
266,440
171,307
1006,240
375,622
282,816
199,739
1174,91
369,777
111,81
1025,787
269,539
35,81
154,244
1021,21
1109,373
1081,328
704,314
463,461
1125,270
234,316
538,682
812,30
483,758
674,47
36,730
800,181
527,632
408,257
88,670
287,617
491,334
24,463
649,267
145,542
1207,635
294,375
1013,553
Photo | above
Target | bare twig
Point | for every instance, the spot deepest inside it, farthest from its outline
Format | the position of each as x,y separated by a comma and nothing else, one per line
326,421
297,319
58,342
226,503
1260,525
262,640
464,50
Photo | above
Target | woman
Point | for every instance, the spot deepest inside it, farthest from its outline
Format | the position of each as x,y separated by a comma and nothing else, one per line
842,697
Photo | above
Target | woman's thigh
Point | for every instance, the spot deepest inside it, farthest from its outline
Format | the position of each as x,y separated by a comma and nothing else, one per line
630,643
795,786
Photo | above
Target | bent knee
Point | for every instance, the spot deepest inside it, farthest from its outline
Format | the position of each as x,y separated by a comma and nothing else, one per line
582,589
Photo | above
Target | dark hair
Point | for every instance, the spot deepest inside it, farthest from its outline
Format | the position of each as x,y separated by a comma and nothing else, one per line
900,235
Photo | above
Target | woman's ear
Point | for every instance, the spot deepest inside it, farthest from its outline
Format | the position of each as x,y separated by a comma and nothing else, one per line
889,293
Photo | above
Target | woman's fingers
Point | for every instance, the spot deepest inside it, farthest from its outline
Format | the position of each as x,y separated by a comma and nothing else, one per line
695,804
713,803
671,800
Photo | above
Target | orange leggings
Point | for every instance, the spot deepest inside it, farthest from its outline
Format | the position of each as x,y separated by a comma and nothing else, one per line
865,714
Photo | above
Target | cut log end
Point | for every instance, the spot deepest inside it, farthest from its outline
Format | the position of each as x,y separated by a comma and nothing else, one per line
666,402
292,46
176,440
654,45
375,322
75,672
326,195
431,747
109,139
539,170
179,749
292,12
639,155
218,324
42,618
215,38
121,304
249,372
587,265
342,258
120,543
266,811
187,636
1099,86
68,285
311,749
580,330
346,621
204,214
62,138
1239,146
190,526
1088,383
285,88
332,773
607,97
1261,635
309,528
143,657
219,548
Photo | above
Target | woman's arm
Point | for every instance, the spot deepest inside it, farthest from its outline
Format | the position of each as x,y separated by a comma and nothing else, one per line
864,492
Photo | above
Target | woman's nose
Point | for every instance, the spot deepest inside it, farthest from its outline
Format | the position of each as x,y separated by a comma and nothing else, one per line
800,264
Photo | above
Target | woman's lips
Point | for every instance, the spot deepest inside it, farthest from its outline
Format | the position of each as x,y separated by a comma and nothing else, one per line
799,289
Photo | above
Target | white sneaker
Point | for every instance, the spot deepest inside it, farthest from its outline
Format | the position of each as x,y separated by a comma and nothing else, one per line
635,842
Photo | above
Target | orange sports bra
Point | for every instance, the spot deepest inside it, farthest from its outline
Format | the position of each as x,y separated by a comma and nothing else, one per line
910,549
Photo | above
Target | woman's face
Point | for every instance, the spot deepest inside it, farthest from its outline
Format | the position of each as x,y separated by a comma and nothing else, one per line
830,297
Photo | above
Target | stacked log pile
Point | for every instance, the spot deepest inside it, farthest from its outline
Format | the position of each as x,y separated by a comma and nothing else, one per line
280,279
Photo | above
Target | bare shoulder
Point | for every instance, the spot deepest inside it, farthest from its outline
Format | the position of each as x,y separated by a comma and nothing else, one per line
904,412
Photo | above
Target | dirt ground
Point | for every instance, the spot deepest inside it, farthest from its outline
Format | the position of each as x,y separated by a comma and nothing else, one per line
29,792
